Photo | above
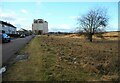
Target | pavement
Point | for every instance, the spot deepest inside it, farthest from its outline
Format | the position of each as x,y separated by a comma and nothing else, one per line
10,49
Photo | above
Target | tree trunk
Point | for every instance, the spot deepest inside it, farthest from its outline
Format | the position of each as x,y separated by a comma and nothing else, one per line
90,37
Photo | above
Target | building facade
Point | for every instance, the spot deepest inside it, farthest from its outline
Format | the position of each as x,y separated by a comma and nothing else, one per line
7,28
39,26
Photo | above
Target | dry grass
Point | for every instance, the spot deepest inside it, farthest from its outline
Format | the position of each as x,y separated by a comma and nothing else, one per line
66,59
103,36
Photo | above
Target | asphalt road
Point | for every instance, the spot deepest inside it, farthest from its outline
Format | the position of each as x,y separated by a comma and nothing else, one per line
10,49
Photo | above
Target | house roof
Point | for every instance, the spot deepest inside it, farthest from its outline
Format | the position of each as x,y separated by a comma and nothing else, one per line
8,24
22,29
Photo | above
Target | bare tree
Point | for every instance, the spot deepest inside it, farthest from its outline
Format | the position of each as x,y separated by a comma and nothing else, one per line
95,20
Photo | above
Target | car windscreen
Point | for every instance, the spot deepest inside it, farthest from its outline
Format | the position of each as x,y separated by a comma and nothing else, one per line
4,35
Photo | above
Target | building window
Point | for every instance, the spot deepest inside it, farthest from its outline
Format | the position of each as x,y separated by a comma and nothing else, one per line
13,32
3,25
40,21
35,21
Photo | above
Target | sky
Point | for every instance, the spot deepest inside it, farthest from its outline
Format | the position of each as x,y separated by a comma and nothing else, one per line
61,16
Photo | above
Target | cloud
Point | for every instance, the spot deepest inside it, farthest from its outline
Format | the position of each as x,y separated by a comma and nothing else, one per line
112,27
14,18
60,27
7,17
24,11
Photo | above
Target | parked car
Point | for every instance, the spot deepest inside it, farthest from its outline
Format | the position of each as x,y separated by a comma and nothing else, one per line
22,36
5,38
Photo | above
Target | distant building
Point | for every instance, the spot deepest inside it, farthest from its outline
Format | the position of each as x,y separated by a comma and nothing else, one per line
39,26
23,31
7,28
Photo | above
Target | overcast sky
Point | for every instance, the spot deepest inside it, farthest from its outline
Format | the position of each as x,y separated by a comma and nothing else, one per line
61,16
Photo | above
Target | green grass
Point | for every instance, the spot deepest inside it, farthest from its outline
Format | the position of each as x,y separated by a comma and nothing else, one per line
62,59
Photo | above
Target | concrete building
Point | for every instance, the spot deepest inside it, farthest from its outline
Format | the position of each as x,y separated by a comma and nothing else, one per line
7,28
39,26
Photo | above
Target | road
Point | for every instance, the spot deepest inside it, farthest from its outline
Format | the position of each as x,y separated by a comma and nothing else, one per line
9,49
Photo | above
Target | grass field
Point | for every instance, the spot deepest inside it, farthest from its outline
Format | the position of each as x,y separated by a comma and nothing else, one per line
63,58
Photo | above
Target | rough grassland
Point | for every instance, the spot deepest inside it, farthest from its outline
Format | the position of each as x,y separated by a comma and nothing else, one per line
56,58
